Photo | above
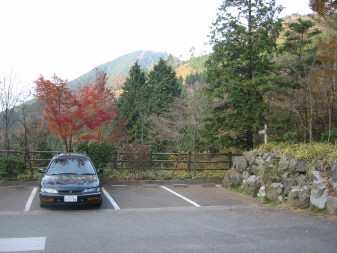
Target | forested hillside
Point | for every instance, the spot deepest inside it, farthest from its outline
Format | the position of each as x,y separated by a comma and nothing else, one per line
263,71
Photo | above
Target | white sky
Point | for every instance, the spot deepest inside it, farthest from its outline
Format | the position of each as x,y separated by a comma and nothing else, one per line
71,37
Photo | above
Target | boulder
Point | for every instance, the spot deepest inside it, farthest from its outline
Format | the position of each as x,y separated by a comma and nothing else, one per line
298,166
320,166
302,180
333,172
262,192
252,185
315,176
240,163
259,161
274,193
331,205
265,156
245,174
284,162
271,158
288,183
250,157
299,197
232,178
319,195
255,170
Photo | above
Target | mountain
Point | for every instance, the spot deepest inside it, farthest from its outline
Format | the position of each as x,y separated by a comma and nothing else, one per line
118,69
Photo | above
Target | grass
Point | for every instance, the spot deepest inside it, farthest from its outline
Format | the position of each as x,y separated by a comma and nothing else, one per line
127,175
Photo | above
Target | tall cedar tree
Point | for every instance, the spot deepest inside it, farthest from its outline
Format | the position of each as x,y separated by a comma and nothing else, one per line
326,14
244,41
300,51
132,98
143,96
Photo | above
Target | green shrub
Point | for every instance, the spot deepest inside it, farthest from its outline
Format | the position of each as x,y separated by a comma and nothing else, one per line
10,167
100,154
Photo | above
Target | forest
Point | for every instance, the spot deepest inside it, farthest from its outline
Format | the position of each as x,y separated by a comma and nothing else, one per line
263,70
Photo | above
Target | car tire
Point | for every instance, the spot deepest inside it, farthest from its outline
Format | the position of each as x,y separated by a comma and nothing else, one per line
99,204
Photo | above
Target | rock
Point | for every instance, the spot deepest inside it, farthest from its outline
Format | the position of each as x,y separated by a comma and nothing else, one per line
271,158
331,205
240,163
283,164
302,180
315,176
265,156
232,178
274,193
262,192
299,197
333,172
245,175
298,166
259,161
255,170
250,157
252,185
320,166
260,153
319,195
288,183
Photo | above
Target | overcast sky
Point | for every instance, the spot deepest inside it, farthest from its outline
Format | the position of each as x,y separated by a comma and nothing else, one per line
71,37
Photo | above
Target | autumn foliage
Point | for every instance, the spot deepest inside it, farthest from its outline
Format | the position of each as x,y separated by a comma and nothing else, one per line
70,113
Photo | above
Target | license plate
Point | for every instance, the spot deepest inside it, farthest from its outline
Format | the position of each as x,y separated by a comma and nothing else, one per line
70,198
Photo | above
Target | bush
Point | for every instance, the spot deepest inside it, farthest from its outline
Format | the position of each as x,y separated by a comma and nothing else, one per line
137,156
10,167
100,154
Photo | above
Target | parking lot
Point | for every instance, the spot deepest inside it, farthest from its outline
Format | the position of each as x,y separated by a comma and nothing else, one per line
117,197
159,218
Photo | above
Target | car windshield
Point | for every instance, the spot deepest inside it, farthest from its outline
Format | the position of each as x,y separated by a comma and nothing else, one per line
71,165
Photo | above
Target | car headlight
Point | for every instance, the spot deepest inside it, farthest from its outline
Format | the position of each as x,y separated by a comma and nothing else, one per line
48,190
98,189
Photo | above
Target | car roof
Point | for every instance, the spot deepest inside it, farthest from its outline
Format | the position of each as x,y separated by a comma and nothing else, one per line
70,154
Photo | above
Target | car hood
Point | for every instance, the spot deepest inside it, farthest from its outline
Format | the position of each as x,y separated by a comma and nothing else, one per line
70,182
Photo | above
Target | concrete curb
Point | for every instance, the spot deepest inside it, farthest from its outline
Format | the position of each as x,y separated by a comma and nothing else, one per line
138,182
163,182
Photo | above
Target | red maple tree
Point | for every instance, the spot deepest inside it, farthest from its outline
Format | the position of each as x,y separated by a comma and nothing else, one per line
67,112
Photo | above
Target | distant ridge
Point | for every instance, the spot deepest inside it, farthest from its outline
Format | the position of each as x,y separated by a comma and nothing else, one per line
118,68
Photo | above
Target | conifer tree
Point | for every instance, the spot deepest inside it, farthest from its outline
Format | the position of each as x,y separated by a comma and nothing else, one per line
244,41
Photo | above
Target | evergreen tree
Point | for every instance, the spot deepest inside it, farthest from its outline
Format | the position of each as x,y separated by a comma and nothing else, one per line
131,100
244,41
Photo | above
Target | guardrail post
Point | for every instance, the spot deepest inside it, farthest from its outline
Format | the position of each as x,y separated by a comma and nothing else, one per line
189,161
150,160
230,155
115,159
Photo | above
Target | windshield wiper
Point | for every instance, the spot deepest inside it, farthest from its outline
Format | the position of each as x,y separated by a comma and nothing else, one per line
87,174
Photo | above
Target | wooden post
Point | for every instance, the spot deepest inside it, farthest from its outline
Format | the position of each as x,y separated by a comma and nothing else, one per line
115,159
230,159
189,161
150,160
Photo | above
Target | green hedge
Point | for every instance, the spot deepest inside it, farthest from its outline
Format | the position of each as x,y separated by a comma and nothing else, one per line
10,167
100,154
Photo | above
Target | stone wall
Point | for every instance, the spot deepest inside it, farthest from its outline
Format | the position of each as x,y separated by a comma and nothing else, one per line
281,179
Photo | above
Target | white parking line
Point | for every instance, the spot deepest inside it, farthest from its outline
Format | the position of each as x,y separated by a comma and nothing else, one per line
113,203
180,196
30,199
22,244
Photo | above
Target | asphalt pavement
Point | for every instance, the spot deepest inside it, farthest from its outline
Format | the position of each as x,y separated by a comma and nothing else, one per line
159,218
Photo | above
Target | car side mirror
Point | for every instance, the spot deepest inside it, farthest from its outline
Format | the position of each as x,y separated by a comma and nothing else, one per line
41,171
99,171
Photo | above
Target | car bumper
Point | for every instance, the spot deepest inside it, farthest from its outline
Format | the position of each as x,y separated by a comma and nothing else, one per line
49,199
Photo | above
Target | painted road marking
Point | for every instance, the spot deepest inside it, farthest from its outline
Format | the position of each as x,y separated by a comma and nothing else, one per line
113,203
30,199
180,196
22,244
